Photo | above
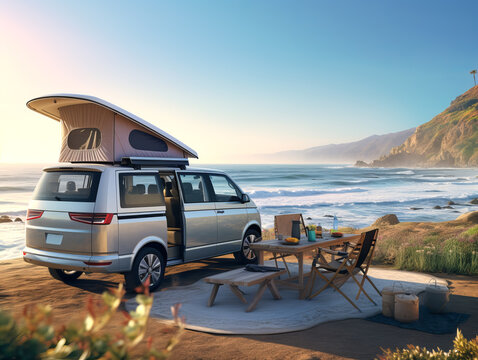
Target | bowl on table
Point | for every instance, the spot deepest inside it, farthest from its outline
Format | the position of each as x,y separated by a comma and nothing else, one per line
290,241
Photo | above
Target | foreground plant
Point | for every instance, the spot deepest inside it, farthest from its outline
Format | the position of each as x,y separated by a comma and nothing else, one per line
463,349
34,337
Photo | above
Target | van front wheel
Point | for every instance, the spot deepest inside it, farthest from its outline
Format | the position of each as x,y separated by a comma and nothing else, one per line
65,275
149,263
246,255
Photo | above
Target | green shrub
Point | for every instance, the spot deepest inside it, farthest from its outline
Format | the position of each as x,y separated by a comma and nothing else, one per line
459,256
463,349
34,337
471,232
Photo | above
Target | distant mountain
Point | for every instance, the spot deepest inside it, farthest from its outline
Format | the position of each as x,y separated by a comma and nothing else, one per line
450,139
366,149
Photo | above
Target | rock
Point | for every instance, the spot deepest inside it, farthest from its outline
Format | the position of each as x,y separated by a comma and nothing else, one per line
308,218
5,219
329,215
451,202
361,163
474,201
415,208
469,217
18,220
389,219
437,207
448,207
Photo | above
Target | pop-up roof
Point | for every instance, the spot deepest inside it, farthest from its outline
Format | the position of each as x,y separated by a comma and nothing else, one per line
93,130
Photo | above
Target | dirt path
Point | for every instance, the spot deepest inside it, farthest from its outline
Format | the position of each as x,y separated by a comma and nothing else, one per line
23,284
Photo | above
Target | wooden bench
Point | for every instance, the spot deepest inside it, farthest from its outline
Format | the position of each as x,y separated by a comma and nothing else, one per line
242,277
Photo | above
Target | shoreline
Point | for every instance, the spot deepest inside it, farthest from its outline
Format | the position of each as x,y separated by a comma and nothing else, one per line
388,232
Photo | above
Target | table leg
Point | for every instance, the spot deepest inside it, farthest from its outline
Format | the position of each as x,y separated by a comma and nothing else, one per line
273,289
274,255
258,296
260,257
213,294
300,259
238,293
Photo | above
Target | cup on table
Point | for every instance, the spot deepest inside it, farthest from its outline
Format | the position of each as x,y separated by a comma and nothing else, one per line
311,235
280,237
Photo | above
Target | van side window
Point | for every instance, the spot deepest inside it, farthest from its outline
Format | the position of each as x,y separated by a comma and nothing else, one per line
224,189
193,187
140,190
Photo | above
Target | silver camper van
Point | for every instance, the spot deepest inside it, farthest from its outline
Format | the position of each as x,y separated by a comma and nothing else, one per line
111,206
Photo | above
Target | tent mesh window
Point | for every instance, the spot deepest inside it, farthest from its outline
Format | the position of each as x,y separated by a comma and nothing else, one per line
84,138
140,140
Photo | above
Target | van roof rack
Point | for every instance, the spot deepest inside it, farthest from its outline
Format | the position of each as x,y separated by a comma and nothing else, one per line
139,162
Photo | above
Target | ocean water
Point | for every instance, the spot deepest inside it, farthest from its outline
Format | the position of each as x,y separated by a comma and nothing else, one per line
357,196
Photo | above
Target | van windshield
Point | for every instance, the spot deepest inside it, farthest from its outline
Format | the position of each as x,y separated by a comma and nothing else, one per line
78,186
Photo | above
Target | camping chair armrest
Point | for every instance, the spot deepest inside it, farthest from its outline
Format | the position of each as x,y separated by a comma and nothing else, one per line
334,252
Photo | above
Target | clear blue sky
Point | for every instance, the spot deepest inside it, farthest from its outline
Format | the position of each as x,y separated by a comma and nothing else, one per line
236,78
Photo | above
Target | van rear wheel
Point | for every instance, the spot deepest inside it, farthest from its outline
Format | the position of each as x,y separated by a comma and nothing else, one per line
246,255
148,263
65,275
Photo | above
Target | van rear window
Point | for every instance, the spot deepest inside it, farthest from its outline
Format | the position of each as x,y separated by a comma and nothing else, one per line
78,186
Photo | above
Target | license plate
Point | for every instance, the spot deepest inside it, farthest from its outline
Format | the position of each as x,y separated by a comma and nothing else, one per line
54,239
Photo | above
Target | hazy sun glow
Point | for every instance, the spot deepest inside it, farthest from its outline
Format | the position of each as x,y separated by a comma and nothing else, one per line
234,80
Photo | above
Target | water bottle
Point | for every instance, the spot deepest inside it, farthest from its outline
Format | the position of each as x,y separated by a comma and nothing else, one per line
336,223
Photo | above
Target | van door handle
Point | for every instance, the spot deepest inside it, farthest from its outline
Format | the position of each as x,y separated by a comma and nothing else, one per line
220,211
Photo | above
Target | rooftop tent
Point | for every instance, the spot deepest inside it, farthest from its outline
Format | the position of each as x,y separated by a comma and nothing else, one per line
93,130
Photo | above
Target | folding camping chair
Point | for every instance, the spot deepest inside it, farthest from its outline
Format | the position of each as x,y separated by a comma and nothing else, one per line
348,264
283,226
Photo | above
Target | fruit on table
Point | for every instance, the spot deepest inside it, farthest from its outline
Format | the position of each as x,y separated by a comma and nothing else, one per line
292,240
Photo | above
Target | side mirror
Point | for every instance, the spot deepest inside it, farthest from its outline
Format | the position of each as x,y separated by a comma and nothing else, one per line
245,198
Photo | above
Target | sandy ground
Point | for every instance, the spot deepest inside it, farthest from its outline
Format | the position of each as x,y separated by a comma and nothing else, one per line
24,284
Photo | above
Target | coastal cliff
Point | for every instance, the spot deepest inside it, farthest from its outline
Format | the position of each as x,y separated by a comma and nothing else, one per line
366,149
450,139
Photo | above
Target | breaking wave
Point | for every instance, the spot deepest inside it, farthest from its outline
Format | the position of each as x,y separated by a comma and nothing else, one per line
262,194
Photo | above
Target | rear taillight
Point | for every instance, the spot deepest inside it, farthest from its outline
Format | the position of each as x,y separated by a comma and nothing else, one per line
34,214
95,219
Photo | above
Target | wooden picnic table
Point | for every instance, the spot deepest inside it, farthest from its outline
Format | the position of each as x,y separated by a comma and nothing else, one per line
278,247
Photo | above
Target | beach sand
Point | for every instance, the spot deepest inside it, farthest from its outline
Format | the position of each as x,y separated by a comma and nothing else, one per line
24,284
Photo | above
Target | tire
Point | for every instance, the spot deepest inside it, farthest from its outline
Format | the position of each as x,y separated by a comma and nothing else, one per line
66,276
246,255
149,262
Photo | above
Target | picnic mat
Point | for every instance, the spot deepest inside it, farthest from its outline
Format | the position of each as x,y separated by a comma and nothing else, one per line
228,316
445,323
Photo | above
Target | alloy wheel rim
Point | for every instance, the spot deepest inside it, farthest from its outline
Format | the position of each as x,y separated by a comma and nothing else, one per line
246,248
149,266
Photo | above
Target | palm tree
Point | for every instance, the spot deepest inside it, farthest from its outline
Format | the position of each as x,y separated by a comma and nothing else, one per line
473,72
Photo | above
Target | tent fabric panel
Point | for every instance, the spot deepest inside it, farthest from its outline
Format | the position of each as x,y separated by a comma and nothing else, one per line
89,116
49,106
123,148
